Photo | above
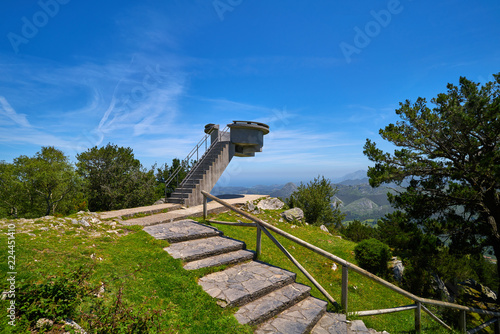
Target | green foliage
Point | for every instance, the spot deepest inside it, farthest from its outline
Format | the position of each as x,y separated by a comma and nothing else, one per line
450,155
315,200
39,185
145,290
373,256
55,298
114,179
364,294
357,231
164,173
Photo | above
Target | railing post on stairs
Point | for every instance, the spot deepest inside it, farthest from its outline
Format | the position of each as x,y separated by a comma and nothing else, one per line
258,242
344,292
497,326
418,317
462,322
205,211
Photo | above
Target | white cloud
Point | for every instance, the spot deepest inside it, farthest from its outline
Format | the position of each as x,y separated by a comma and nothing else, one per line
6,110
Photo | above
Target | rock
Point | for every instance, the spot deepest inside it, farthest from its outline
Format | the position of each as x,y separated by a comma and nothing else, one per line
84,222
77,329
270,204
44,323
74,221
440,287
397,269
479,295
324,228
293,214
160,201
334,266
252,208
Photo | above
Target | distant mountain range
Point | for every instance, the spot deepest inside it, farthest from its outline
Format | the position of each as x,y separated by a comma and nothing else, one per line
355,197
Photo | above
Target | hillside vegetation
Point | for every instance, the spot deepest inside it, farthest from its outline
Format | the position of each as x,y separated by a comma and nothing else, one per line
355,197
130,280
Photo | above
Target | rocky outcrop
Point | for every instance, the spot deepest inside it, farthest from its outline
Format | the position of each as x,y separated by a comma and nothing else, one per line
293,214
270,204
440,287
478,295
397,269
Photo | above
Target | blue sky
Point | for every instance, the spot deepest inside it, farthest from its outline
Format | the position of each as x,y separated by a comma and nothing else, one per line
325,75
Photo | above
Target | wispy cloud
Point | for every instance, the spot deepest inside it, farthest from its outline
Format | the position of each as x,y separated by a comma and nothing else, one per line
7,111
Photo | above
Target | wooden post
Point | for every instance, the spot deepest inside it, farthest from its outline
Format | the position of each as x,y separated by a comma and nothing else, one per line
205,211
418,317
462,322
258,242
497,326
345,281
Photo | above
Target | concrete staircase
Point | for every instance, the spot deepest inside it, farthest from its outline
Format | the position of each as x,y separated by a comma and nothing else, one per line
243,139
267,296
203,176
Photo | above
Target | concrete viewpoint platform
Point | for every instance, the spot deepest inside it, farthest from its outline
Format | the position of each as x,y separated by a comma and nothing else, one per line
175,211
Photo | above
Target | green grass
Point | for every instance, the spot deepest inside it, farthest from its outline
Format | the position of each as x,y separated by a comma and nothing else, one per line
364,294
129,260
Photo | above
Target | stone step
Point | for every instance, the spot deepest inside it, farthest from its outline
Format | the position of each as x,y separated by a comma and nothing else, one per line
298,319
245,282
183,190
217,260
331,323
179,195
357,326
271,304
175,200
181,230
202,248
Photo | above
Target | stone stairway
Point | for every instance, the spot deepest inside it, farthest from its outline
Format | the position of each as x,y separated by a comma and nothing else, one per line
267,296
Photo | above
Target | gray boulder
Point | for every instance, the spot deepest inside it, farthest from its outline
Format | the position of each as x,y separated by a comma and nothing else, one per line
252,208
160,201
293,214
397,269
270,204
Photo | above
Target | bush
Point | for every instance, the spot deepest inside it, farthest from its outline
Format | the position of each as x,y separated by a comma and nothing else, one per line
315,200
373,256
357,231
114,179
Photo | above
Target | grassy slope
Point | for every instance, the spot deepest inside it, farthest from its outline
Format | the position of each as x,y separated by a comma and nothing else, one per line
364,294
132,260
150,277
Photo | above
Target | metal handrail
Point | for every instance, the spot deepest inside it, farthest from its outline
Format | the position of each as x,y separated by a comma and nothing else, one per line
204,156
189,156
418,307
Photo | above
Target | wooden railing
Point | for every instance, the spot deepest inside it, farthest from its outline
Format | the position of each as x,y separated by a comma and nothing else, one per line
419,302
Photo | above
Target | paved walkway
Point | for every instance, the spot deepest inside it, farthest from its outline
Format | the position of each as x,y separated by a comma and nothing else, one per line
175,211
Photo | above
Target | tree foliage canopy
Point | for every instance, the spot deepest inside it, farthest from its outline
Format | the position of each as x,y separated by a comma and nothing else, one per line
451,156
38,185
115,179
315,199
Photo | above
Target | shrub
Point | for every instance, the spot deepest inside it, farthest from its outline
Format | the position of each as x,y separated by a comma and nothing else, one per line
357,231
373,255
315,200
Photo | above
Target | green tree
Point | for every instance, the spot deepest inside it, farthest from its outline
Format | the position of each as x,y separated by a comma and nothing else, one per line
373,255
10,198
315,199
450,155
357,231
40,185
114,179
